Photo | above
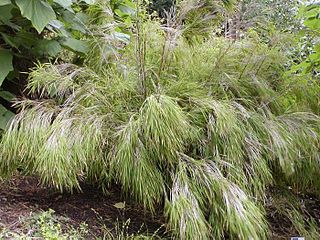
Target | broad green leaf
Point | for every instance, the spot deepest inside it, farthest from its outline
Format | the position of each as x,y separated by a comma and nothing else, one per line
68,17
5,2
48,48
5,117
26,39
79,22
310,14
15,74
5,64
7,95
39,12
64,3
58,26
10,40
75,21
5,13
75,45
303,64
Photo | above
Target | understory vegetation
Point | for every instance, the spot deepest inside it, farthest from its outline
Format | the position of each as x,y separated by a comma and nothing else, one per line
189,123
48,225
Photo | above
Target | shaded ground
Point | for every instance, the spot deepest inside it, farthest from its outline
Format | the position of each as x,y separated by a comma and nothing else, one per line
281,224
20,196
23,195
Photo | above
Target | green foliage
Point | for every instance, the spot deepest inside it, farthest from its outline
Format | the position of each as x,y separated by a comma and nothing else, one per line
53,21
304,69
48,225
37,29
40,13
201,130
6,66
310,14
199,188
44,225
292,209
266,13
121,232
261,16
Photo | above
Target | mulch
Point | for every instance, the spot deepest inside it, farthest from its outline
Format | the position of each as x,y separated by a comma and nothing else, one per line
22,195
281,226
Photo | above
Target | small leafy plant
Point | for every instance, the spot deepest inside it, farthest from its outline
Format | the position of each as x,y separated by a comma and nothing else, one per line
310,15
45,225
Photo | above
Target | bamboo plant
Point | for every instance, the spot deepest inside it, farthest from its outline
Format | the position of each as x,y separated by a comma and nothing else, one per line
200,130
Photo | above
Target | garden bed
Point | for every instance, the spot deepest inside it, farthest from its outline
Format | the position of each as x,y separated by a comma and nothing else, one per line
23,196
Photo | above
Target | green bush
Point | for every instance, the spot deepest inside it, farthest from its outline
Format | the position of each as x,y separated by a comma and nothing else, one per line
41,30
201,130
35,30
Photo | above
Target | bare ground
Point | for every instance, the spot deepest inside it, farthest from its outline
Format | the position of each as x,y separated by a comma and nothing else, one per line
23,195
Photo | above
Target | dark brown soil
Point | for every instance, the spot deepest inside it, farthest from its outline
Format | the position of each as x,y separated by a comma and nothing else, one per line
22,195
281,225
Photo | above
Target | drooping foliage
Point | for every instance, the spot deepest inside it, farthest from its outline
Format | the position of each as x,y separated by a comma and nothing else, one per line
31,31
41,30
200,129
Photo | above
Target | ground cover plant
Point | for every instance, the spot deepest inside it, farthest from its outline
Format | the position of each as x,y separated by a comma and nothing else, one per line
198,128
48,225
